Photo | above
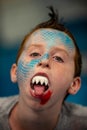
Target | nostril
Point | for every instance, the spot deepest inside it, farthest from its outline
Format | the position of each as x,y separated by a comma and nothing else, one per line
43,64
39,64
47,65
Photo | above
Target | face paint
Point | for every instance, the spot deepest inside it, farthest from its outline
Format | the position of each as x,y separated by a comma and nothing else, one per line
25,70
45,98
51,38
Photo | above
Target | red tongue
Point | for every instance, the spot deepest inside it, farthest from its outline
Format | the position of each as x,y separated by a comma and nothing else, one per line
39,90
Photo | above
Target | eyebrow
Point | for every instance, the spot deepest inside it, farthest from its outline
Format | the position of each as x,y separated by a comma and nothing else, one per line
53,50
36,45
33,45
57,49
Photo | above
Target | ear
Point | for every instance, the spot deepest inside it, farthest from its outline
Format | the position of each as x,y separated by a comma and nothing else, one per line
75,86
13,73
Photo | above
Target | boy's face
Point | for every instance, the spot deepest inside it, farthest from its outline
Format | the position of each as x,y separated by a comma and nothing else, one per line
46,67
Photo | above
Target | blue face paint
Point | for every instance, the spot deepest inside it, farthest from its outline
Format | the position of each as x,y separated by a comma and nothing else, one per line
48,37
52,37
26,69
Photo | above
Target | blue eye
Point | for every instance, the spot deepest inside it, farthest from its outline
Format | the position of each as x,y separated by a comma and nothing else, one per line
58,59
35,54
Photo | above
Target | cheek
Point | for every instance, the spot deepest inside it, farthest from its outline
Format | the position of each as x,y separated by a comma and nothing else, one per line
61,79
25,70
64,72
60,85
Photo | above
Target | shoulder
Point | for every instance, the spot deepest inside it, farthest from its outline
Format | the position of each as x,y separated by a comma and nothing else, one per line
6,105
7,102
72,117
75,109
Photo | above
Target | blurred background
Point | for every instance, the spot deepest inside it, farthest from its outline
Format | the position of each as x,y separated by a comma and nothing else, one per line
18,17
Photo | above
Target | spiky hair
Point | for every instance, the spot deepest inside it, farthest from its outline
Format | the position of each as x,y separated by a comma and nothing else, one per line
55,23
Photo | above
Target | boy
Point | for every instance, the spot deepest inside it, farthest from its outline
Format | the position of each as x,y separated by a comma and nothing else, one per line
47,69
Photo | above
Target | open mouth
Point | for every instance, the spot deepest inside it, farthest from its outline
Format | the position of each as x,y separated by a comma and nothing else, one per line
39,84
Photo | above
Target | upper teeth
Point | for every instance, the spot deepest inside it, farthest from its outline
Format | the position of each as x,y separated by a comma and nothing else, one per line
41,79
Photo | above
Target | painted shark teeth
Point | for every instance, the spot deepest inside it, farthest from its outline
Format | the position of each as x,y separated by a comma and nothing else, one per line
40,79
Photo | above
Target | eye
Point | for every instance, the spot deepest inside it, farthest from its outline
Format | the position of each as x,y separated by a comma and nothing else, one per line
58,59
35,54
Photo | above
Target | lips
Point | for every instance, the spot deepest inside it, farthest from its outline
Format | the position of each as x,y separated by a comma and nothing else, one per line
39,84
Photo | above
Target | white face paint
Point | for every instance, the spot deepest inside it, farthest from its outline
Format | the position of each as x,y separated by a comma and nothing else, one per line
45,44
50,38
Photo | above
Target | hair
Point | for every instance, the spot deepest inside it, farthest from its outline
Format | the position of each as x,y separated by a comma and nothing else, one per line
54,23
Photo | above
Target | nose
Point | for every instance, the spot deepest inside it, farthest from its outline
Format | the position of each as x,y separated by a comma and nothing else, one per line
44,64
44,61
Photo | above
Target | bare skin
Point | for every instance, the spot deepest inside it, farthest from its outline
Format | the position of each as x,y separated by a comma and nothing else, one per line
33,120
43,59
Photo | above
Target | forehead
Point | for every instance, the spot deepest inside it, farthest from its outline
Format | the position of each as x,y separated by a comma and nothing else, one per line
50,37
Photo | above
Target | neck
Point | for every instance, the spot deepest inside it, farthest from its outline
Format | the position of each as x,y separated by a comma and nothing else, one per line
27,118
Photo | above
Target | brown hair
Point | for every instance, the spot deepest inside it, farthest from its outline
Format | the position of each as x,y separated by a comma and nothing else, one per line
54,24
